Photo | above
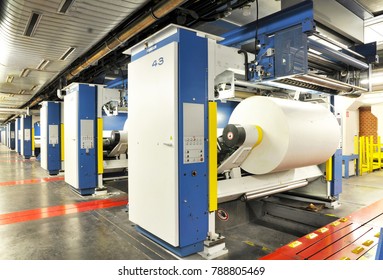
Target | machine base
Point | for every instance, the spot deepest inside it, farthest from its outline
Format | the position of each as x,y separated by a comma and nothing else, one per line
214,249
54,172
179,251
329,203
84,191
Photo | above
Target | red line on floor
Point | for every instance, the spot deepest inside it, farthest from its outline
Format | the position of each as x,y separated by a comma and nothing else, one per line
60,210
31,181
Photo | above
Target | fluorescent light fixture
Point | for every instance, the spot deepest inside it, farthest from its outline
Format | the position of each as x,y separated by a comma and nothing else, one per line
33,22
67,53
64,6
34,87
25,72
22,91
43,64
9,79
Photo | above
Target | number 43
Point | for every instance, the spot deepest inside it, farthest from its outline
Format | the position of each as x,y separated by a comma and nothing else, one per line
158,62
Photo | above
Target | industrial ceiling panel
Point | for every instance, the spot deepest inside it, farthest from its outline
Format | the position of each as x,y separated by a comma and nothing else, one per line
36,34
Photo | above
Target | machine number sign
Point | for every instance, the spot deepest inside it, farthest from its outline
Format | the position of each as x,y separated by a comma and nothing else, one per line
158,62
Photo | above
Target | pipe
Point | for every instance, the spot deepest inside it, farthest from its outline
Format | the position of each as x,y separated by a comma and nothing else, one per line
60,94
157,12
281,188
349,60
246,64
20,111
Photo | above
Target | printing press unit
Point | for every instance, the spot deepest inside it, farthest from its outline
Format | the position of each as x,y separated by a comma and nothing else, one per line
94,152
236,129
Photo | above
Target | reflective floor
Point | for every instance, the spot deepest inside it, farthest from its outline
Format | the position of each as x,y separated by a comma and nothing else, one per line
42,218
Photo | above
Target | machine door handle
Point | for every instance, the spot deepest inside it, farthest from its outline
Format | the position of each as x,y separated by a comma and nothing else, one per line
169,144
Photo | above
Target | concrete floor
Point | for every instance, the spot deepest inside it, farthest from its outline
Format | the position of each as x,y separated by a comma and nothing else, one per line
107,234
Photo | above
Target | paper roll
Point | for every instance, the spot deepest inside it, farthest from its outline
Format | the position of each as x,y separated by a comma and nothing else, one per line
295,133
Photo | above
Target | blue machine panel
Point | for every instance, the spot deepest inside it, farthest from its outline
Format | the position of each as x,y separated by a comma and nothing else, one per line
27,152
224,110
53,149
114,122
87,111
193,178
12,143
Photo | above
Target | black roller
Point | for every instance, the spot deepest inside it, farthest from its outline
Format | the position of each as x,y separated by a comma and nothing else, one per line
110,142
234,135
115,137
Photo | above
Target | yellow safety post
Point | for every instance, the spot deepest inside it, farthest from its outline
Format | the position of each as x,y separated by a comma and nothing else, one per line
374,156
379,148
100,157
377,158
213,180
329,169
33,140
62,141
364,159
367,152
356,152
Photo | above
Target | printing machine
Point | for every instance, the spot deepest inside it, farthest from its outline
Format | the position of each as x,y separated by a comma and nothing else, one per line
175,137
52,128
89,155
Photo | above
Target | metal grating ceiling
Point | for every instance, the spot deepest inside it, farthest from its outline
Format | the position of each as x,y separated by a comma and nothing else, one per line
83,25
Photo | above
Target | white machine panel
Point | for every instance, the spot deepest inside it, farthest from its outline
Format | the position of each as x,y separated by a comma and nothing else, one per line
27,134
21,136
87,138
193,133
53,134
153,149
71,138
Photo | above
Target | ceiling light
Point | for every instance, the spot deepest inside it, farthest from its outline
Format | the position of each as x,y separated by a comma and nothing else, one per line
33,22
25,72
64,6
34,87
22,91
9,79
67,53
42,64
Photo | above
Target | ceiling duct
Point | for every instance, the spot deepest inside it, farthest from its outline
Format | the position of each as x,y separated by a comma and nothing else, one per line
33,22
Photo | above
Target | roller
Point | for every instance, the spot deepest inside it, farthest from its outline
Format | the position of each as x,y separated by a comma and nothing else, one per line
295,133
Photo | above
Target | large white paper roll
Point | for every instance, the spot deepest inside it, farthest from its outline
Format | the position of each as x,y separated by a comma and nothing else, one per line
295,133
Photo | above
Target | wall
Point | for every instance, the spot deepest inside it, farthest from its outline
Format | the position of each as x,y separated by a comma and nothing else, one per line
349,113
377,111
368,123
